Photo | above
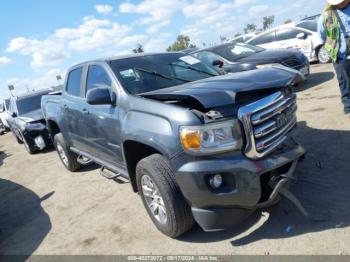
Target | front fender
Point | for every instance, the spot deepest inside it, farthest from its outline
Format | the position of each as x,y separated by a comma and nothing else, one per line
152,130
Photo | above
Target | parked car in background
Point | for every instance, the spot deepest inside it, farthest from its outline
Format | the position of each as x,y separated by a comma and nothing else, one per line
244,37
233,57
196,145
4,115
301,35
27,122
313,17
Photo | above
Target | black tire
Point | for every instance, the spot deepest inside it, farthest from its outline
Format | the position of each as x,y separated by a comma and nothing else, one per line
322,56
28,145
179,215
19,141
70,162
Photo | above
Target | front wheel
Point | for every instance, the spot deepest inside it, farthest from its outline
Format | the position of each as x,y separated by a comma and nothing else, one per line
323,56
19,141
28,145
162,196
68,158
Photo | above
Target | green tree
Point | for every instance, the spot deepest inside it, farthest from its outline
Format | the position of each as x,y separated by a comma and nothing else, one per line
250,28
182,42
268,22
138,49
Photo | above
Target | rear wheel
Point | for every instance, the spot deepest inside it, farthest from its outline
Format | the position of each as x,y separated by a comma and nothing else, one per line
162,196
68,158
323,56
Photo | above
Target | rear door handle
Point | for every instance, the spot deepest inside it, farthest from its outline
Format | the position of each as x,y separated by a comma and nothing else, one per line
85,111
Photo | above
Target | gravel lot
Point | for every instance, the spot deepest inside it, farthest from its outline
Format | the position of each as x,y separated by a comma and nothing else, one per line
45,209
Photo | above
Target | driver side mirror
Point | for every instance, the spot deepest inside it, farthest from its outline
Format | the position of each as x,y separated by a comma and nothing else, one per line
101,96
14,114
301,36
218,63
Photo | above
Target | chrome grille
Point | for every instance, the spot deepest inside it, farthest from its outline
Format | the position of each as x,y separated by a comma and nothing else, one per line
267,121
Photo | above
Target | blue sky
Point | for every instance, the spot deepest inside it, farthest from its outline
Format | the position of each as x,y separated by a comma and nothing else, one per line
40,38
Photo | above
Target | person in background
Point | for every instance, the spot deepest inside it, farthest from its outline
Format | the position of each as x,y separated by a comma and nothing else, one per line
334,30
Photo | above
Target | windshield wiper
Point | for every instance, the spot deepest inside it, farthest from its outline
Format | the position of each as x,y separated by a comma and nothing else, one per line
155,73
193,68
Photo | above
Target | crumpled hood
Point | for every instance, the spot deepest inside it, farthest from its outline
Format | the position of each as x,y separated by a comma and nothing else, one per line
32,116
221,90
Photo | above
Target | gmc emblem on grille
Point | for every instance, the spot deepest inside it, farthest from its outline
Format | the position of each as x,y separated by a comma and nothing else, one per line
283,118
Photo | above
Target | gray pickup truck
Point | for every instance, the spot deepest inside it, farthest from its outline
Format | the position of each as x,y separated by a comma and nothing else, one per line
196,145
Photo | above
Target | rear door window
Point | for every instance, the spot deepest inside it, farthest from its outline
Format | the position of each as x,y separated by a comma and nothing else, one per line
287,34
309,25
264,39
74,82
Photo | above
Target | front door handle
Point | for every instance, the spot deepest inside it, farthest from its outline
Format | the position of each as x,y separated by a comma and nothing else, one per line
85,111
65,107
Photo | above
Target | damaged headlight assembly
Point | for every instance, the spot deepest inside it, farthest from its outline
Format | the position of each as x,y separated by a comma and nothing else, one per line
213,138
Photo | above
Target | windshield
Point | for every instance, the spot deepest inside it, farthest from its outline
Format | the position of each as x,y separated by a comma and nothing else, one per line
236,51
29,104
152,72
309,25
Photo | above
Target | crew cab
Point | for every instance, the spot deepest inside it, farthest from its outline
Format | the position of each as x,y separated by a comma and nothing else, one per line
27,122
197,146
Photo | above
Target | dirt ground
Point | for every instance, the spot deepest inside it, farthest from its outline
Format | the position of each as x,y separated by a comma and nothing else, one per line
45,209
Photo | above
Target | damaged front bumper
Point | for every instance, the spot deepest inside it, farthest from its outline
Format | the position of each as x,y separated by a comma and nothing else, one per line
247,184
37,136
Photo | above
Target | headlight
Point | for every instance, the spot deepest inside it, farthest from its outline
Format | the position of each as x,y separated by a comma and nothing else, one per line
211,138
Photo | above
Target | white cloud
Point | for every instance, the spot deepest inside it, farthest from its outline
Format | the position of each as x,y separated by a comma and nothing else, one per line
131,40
158,44
239,3
154,11
104,9
46,53
4,60
212,18
155,28
258,10
54,50
44,81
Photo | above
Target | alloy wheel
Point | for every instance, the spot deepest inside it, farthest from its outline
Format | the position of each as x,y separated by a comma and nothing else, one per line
62,154
153,199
